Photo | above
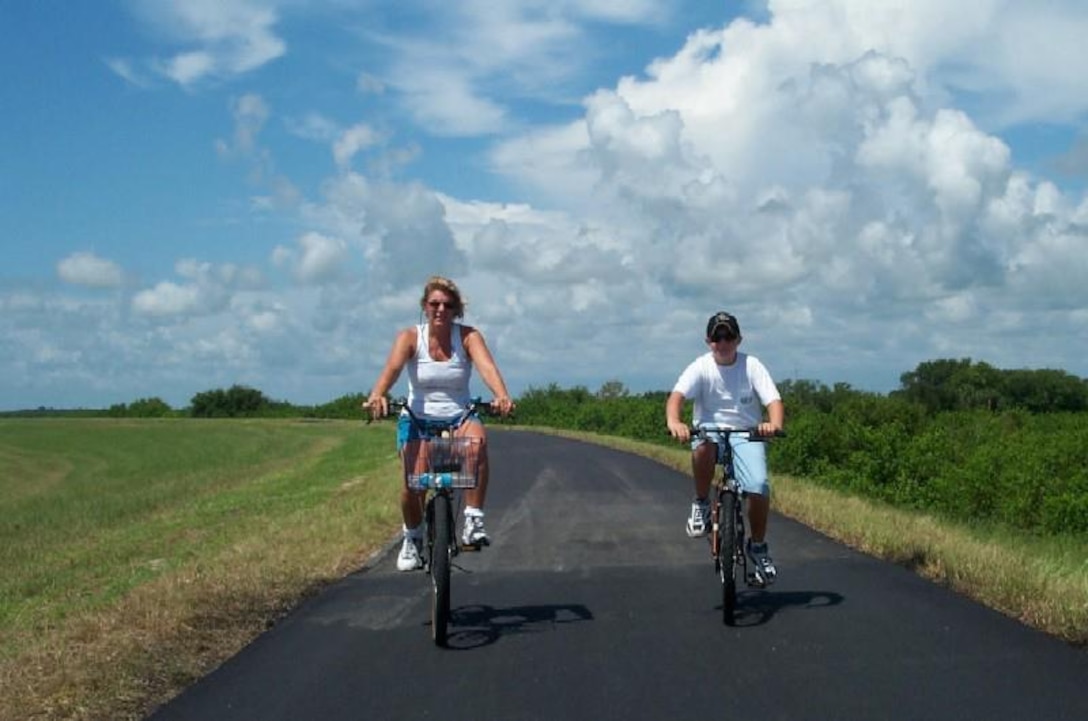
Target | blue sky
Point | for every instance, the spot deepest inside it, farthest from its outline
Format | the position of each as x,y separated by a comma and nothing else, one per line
197,194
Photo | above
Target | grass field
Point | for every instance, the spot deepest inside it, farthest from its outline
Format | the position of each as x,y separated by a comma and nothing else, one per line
139,554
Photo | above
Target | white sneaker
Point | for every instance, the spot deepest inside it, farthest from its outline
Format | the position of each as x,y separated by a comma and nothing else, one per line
699,520
761,569
409,558
473,533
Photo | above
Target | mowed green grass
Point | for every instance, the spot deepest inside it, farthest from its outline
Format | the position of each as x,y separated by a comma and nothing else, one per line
167,521
91,508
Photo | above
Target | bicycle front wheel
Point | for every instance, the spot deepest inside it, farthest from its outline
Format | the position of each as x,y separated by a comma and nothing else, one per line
727,555
441,560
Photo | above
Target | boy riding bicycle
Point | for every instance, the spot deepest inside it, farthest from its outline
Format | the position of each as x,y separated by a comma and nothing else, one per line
729,389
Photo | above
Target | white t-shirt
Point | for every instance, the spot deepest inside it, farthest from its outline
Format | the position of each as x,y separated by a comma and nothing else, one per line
732,396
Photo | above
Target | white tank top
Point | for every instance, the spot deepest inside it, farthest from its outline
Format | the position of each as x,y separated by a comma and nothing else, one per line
438,390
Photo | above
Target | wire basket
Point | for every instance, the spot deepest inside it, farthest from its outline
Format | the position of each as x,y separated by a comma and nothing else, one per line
442,462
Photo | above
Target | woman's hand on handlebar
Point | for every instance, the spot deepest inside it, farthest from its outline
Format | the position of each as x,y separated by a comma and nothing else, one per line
502,406
378,406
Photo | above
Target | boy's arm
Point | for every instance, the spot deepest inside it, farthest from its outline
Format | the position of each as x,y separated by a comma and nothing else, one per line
674,405
776,418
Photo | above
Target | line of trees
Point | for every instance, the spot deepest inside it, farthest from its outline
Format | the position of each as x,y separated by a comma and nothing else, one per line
238,401
959,438
956,385
933,387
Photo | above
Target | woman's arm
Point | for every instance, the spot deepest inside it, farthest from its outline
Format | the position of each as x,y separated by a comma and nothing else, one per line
476,347
404,347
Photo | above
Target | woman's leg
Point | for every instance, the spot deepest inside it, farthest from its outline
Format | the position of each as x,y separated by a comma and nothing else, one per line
473,428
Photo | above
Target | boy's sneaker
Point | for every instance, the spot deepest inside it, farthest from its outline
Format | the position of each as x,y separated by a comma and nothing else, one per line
699,520
409,558
473,533
761,570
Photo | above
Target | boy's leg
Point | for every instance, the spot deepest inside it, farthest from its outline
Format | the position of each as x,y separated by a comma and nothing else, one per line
750,467
703,457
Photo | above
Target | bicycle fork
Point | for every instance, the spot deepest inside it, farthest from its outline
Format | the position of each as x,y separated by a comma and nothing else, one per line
717,508
451,542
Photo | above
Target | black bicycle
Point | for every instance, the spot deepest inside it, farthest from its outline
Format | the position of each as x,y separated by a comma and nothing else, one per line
728,534
441,464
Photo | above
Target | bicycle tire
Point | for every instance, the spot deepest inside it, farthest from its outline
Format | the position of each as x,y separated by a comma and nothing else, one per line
727,555
441,560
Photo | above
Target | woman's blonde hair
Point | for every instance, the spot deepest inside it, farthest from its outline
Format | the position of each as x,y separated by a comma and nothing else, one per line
447,286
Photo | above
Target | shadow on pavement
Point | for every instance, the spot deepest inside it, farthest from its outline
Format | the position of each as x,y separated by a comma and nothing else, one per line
476,626
755,608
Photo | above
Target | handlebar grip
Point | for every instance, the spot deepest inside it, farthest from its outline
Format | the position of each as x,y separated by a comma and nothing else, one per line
752,432
476,404
393,404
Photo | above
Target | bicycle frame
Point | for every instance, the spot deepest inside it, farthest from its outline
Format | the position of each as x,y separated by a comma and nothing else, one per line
727,528
728,533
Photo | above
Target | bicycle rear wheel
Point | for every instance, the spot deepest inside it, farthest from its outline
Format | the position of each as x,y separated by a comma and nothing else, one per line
727,555
441,560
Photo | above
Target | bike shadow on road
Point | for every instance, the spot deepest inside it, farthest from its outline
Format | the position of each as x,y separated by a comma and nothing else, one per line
755,608
481,625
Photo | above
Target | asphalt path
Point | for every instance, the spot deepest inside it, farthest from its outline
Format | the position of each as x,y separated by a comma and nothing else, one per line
592,603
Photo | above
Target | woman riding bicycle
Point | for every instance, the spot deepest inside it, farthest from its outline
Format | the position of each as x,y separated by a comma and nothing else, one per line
728,389
440,354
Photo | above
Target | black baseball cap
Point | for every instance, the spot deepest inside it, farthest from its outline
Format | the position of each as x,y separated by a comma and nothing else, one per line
722,321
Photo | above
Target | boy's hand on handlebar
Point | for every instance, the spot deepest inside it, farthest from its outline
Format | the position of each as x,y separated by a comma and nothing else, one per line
768,430
679,430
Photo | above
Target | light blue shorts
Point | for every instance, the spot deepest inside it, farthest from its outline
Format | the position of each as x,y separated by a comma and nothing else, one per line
749,462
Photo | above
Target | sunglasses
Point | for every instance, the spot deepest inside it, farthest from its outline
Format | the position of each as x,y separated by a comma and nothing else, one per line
442,304
719,337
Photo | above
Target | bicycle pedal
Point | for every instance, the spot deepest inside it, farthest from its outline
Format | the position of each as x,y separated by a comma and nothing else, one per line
473,547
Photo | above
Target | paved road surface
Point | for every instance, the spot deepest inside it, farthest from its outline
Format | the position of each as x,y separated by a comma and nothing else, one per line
593,604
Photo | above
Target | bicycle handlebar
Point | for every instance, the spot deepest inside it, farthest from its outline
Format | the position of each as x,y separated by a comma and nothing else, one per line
753,434
476,405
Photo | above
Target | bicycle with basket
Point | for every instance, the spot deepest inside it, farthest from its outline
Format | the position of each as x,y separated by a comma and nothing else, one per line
441,465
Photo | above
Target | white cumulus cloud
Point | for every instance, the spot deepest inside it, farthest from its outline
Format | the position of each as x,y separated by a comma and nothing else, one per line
353,140
322,257
207,289
224,38
89,270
